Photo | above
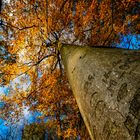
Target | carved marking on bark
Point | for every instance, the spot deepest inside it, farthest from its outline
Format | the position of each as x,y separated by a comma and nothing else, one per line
124,66
137,132
130,124
106,76
99,107
121,74
91,77
87,85
109,129
122,93
135,104
92,99
127,64
115,63
112,83
89,94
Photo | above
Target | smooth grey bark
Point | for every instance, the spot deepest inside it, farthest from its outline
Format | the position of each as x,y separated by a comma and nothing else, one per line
106,85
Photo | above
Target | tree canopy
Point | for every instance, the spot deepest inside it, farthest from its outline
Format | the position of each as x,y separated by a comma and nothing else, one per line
32,33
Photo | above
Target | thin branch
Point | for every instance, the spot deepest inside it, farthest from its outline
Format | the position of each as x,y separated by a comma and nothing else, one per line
25,72
108,37
26,27
43,59
54,66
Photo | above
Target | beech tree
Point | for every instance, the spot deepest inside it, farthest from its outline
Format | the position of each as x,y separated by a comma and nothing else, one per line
32,34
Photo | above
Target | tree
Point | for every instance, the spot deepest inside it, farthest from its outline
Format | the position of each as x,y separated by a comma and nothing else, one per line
33,33
34,131
107,90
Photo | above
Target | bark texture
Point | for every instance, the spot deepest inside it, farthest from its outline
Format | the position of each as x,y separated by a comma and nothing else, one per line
106,85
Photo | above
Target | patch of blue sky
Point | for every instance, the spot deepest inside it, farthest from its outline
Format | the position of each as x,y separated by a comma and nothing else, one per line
10,132
4,129
1,104
25,82
4,90
130,41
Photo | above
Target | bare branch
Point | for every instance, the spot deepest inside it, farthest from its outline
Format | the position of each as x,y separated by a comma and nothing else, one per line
12,26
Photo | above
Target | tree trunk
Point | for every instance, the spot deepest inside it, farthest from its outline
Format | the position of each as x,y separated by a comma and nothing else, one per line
106,85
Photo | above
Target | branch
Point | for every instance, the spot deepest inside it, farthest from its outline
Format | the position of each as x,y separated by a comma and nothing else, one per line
108,37
54,66
26,27
43,59
25,72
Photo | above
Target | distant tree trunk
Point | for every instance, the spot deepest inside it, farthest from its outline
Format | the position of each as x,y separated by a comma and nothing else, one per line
34,132
106,85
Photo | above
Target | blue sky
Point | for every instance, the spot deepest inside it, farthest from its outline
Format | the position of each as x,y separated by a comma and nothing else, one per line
129,41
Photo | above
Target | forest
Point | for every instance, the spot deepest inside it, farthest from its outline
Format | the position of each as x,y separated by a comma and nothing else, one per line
48,47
